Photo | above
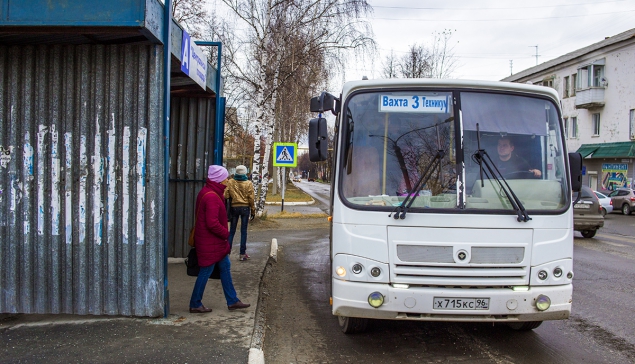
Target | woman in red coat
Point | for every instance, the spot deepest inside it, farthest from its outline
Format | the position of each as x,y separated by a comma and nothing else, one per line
210,240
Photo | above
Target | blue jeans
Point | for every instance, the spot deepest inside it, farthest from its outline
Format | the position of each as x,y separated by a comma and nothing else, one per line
243,212
225,279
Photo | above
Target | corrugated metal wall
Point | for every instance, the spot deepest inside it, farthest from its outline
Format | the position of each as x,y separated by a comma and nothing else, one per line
191,146
81,192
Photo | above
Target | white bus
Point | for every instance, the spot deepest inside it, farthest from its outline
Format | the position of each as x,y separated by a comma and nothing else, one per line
450,201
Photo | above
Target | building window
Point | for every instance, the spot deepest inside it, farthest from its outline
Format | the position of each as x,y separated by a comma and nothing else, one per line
596,124
548,82
574,127
631,118
598,74
590,76
566,127
565,92
574,84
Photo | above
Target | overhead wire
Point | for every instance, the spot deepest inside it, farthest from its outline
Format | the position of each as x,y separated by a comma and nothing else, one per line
498,8
507,19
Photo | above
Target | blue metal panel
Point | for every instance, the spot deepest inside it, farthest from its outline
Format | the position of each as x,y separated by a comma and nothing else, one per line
80,199
73,12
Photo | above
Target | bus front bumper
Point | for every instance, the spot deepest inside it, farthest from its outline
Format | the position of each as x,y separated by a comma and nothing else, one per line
416,303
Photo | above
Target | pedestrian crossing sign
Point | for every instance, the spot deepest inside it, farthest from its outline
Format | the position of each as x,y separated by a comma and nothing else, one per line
285,154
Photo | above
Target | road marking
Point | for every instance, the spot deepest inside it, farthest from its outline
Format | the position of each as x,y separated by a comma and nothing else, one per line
614,244
617,237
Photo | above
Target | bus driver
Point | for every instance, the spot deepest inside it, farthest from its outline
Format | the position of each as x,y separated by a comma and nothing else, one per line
509,163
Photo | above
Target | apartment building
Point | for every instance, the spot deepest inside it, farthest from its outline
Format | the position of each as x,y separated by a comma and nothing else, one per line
597,87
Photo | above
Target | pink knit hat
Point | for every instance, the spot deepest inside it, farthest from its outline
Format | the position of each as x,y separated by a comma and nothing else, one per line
217,173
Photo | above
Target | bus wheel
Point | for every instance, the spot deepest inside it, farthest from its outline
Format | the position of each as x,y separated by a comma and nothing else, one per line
352,325
524,326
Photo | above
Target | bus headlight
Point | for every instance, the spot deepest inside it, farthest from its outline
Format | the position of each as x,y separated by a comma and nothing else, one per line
375,299
357,268
340,271
543,302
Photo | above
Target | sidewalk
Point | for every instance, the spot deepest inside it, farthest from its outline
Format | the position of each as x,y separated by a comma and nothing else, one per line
221,336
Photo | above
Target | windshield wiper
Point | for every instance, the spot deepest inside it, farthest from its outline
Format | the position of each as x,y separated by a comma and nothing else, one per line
482,158
348,150
400,211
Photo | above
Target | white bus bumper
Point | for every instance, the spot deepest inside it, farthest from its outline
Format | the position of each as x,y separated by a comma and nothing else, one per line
416,303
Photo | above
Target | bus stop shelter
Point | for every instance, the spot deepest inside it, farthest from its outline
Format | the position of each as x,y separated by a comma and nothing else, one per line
104,141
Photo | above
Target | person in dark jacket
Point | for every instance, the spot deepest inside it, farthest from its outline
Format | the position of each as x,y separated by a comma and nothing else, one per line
210,240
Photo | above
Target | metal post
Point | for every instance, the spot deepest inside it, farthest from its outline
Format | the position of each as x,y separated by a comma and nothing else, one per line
167,57
219,129
284,185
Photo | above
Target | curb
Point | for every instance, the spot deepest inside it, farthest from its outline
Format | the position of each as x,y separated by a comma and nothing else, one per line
256,354
274,249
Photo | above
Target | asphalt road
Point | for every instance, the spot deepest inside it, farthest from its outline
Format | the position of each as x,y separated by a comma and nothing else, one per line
320,192
301,328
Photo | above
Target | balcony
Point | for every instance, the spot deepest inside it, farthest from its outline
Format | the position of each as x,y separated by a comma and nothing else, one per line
589,98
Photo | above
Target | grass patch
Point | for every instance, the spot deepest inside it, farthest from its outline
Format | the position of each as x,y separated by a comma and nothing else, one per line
296,215
292,194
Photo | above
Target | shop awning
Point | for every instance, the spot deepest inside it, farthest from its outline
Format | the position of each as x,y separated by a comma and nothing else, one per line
608,150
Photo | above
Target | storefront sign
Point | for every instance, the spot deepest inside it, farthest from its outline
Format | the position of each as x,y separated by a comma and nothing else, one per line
614,175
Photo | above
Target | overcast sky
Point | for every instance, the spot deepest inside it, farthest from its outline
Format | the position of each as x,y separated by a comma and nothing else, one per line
487,34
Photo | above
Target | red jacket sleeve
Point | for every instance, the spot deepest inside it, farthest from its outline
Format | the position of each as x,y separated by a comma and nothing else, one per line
211,208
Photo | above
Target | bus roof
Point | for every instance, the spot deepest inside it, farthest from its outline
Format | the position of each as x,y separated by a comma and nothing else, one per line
447,83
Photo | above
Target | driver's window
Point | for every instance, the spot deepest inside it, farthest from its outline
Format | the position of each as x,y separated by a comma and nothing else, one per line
514,131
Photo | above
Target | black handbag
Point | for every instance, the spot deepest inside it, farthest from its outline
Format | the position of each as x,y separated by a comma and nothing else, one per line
192,266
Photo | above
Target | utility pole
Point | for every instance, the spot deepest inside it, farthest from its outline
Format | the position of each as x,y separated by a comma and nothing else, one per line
511,67
536,53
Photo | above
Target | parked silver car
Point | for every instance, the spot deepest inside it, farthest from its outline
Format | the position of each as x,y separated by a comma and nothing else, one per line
606,202
623,199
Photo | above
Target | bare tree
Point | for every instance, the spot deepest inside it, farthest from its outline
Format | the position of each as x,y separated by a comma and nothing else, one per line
390,66
416,63
282,39
442,57
191,14
437,61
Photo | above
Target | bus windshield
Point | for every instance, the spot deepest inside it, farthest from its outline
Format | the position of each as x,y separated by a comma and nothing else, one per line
410,145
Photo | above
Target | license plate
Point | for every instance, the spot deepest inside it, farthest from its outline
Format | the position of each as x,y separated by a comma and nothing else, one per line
581,206
451,303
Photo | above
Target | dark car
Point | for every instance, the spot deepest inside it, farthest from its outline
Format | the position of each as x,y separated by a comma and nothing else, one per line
587,213
623,199
310,179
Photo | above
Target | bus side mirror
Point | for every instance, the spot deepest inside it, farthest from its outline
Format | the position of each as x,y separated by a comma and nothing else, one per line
325,102
575,165
318,140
